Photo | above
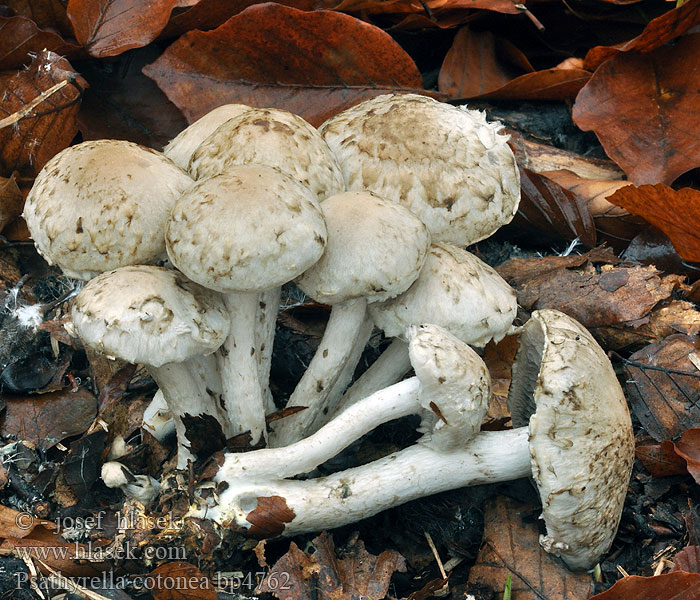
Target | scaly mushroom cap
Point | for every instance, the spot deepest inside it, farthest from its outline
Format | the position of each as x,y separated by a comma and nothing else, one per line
446,164
149,315
183,145
581,438
249,229
455,387
375,250
273,137
456,291
101,205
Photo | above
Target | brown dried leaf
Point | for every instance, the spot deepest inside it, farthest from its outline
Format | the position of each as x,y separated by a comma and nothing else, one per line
664,399
499,360
110,27
269,517
122,103
687,560
652,247
675,212
660,459
18,524
688,448
658,32
47,14
47,419
511,547
11,200
313,64
196,585
29,138
434,7
327,574
671,586
20,37
548,84
645,110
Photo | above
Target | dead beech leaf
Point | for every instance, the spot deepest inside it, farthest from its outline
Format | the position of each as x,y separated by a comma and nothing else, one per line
688,448
553,210
313,64
20,37
645,110
687,560
18,525
435,7
195,585
47,14
675,212
660,459
46,419
30,136
658,32
11,201
110,27
330,574
548,84
499,360
670,586
662,397
269,517
511,547
652,247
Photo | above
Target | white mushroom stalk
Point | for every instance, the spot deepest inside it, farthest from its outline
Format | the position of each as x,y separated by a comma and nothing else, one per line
575,439
375,250
158,318
243,232
143,488
455,290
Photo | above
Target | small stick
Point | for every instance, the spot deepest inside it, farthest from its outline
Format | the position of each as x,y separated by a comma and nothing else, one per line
23,112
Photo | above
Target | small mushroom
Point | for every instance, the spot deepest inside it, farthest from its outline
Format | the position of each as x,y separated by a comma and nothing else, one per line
375,250
143,488
103,204
158,318
445,163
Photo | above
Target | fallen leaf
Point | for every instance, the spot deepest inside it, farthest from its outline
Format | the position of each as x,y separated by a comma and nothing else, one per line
110,27
548,84
31,135
688,448
20,38
658,32
313,64
47,14
329,574
47,419
269,517
645,110
499,360
675,212
194,584
122,103
687,560
82,466
511,547
671,586
11,200
660,459
661,395
16,524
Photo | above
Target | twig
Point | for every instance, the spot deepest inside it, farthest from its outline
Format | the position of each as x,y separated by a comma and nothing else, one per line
646,367
24,111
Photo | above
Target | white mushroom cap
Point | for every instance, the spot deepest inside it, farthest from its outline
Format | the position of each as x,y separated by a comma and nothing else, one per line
249,229
581,437
183,145
149,315
447,164
272,137
140,487
457,291
375,250
455,387
101,205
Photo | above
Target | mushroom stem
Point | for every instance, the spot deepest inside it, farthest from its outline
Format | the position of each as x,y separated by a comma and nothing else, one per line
326,367
361,492
185,396
265,340
239,367
389,368
305,455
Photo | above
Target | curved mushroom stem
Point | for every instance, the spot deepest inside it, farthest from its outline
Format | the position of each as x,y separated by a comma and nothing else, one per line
268,307
320,378
305,455
239,368
389,368
364,491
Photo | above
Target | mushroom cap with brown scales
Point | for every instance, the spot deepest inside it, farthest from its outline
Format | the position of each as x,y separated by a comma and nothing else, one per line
183,145
149,315
447,164
103,204
581,439
249,229
273,137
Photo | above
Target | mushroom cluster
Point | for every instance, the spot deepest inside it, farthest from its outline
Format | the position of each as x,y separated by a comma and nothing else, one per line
185,253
